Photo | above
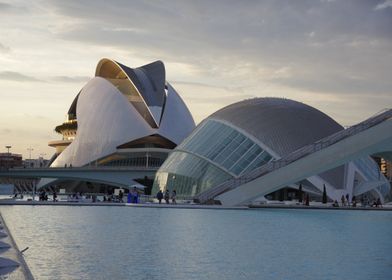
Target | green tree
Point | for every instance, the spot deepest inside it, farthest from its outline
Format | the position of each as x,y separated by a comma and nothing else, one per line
324,195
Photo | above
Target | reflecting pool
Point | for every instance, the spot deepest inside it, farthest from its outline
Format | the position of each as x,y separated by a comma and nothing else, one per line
82,242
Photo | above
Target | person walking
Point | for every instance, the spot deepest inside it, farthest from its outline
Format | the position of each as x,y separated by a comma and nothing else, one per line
307,200
135,195
120,196
167,196
354,201
160,196
378,203
173,196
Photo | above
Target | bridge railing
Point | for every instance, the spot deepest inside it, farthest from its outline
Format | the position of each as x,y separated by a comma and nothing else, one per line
296,155
83,168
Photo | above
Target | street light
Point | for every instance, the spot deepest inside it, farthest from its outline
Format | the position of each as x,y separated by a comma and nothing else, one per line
41,159
30,150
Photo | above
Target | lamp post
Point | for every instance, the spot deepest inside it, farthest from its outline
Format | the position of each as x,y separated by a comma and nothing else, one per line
147,155
30,150
8,162
41,163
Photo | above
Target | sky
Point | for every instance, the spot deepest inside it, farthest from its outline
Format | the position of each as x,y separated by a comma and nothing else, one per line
333,55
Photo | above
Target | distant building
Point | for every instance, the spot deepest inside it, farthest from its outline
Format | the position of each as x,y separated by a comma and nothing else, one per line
9,160
35,163
385,167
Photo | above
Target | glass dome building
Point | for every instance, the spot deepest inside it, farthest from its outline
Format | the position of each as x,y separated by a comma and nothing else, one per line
246,135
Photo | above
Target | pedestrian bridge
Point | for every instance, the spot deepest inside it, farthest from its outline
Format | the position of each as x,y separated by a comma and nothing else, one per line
118,176
372,136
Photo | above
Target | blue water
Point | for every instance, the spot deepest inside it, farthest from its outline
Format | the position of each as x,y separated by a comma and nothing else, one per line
147,243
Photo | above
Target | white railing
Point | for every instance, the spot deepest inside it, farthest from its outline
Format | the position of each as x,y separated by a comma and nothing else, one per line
296,155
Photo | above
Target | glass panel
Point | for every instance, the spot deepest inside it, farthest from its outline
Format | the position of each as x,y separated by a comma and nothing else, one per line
188,175
223,145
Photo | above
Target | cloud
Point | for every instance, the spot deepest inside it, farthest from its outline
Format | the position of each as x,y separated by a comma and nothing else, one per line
4,48
17,77
70,79
384,5
214,53
247,43
5,131
6,8
123,29
208,86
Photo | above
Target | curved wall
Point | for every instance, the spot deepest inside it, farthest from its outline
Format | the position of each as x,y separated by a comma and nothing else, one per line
106,119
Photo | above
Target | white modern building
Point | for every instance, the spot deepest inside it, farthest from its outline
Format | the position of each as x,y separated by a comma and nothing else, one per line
123,117
245,136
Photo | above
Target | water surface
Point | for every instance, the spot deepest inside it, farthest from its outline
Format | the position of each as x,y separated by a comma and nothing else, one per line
81,242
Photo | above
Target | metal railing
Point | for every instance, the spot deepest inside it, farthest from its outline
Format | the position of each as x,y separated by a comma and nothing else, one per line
296,155
83,168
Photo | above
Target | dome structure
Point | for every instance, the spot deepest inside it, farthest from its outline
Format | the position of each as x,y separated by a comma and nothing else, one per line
283,125
246,135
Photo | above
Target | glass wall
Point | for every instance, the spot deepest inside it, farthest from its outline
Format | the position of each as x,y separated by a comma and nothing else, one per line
212,154
188,174
136,159
226,147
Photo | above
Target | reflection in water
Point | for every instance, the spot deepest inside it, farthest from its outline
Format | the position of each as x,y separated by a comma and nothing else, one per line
143,243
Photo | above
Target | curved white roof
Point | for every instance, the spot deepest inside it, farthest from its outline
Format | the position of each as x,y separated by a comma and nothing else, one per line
108,118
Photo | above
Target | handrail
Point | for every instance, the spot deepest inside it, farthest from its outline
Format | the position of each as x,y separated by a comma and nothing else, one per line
84,168
323,143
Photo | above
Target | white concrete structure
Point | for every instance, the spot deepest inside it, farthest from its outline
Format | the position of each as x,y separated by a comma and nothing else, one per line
125,116
376,139
108,117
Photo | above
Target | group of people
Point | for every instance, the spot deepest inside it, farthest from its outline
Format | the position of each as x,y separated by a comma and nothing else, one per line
366,202
18,195
167,196
133,196
345,201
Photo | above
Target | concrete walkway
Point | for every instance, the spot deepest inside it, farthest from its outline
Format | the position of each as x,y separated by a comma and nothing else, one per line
318,206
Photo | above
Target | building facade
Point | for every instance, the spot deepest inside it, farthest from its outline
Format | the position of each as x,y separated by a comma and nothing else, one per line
10,160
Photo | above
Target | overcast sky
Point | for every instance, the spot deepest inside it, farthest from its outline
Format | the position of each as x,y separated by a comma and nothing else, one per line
333,55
